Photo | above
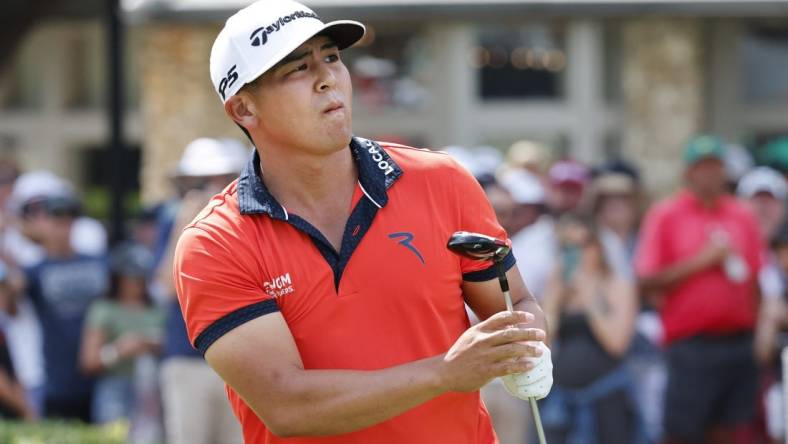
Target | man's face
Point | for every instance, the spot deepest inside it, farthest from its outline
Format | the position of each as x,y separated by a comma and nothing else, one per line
768,210
305,101
618,211
566,196
41,226
707,176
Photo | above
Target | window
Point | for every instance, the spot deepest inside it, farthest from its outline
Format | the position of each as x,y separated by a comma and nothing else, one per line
21,88
764,64
520,62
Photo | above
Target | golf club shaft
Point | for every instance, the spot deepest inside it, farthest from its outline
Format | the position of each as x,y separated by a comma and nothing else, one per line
534,407
537,420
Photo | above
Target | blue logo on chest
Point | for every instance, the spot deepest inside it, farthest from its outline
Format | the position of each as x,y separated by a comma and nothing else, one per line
405,241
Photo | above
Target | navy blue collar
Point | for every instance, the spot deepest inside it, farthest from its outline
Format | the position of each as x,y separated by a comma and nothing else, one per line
377,172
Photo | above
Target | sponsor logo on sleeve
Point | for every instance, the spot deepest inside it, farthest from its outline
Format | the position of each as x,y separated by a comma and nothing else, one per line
279,286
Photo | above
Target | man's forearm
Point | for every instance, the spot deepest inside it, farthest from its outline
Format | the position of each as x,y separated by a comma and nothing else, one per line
331,402
269,375
671,275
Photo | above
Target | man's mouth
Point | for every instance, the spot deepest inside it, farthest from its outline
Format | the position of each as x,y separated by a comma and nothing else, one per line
334,106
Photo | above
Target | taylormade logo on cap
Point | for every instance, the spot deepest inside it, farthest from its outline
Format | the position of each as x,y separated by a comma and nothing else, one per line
260,35
257,37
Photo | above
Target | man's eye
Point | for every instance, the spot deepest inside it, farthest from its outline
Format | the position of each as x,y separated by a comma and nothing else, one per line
331,58
298,68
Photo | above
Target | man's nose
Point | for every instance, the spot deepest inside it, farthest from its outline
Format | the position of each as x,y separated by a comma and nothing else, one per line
326,78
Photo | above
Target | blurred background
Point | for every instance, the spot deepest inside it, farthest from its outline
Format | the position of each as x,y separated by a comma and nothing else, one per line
591,78
99,100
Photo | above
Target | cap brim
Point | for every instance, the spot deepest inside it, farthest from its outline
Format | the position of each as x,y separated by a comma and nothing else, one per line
714,156
345,33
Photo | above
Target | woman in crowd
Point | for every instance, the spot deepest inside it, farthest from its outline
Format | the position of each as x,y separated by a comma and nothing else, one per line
591,312
119,330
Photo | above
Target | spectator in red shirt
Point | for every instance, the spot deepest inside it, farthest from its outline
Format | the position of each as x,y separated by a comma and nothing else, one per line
699,254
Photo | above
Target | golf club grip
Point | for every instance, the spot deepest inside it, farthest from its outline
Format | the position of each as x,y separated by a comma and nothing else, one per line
502,276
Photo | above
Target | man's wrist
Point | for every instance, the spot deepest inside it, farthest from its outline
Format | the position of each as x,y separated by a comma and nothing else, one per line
437,381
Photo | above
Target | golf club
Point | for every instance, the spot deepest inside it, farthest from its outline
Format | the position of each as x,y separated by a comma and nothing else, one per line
484,248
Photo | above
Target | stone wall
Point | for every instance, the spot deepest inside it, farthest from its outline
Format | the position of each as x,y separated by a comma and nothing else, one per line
663,95
178,103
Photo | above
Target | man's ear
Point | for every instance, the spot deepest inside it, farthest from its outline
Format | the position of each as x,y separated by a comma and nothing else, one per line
241,109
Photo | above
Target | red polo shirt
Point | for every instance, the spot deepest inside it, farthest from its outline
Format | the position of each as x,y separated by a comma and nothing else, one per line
391,295
707,302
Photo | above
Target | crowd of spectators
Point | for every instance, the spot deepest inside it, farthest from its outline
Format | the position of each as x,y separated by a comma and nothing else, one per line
93,333
666,313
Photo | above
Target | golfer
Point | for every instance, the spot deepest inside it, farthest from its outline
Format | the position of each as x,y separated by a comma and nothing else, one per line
318,285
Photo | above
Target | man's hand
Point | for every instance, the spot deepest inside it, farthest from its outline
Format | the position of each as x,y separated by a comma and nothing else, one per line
132,344
534,383
495,347
713,253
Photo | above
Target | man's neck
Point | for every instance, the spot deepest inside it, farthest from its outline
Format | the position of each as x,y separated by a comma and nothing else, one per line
706,199
307,182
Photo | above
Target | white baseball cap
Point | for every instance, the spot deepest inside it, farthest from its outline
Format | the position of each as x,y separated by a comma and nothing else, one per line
36,185
258,36
524,187
762,179
205,157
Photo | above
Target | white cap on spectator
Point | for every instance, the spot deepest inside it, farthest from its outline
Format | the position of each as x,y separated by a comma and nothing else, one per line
479,161
763,180
37,185
488,159
524,187
206,157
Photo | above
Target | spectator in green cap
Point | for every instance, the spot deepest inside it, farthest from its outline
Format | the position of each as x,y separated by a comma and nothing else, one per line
705,169
704,147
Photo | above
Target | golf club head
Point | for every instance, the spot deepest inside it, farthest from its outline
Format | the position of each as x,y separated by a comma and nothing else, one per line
478,246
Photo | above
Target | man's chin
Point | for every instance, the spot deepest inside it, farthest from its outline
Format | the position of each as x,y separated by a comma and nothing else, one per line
340,139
